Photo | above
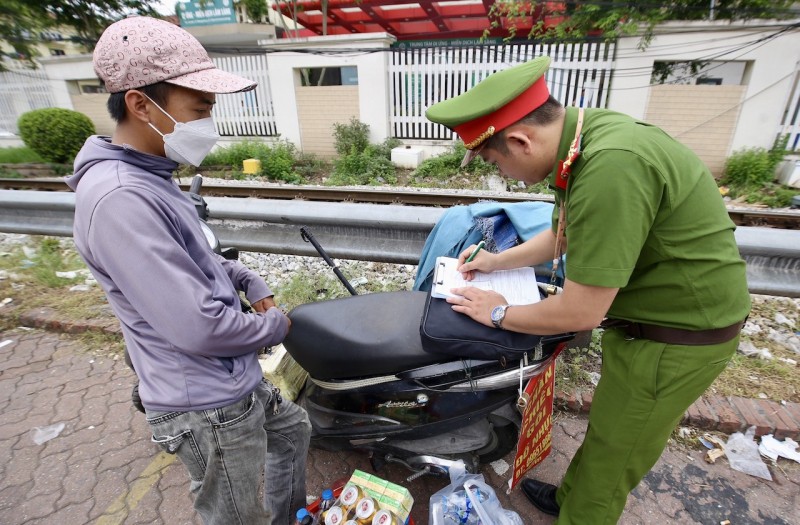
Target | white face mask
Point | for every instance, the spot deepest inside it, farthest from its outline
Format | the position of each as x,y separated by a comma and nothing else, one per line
189,142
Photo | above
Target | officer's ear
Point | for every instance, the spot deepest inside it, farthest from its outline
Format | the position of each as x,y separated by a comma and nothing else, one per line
517,140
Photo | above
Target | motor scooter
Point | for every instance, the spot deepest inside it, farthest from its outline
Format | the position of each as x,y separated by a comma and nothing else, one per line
372,386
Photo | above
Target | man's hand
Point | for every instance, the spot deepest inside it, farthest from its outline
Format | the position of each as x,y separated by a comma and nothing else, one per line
476,303
264,304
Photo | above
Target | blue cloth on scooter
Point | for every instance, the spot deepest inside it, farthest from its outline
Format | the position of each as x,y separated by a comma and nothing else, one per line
500,225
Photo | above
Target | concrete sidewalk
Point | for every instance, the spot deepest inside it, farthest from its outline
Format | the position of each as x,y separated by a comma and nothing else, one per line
102,468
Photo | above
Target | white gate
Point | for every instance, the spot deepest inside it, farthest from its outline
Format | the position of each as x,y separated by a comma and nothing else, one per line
22,90
419,77
249,113
790,124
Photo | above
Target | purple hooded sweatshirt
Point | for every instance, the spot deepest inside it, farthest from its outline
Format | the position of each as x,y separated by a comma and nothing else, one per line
190,343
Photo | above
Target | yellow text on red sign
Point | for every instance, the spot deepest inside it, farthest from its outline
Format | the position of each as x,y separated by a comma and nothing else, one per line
535,435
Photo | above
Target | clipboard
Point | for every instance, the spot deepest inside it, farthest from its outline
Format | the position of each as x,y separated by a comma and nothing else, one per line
518,286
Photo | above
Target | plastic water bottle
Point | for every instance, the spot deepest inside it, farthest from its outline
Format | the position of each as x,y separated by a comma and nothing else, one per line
324,504
300,516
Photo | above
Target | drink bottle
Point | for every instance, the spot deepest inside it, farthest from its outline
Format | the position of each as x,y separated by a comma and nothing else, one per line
325,503
300,516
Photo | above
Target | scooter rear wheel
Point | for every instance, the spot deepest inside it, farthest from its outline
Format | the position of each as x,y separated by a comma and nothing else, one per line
504,440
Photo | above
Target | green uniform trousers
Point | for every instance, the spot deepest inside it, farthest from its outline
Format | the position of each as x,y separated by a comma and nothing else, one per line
644,390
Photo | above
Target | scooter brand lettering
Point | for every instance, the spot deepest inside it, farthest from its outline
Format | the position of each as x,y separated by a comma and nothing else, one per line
400,404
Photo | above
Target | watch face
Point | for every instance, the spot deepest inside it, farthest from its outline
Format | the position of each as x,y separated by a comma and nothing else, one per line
498,313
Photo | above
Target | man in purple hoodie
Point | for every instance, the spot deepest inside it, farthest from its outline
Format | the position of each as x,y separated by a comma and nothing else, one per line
194,350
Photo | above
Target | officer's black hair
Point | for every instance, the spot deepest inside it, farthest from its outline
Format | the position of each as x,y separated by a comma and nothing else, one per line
116,101
545,114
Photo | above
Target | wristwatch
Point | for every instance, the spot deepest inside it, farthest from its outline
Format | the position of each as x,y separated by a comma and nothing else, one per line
498,314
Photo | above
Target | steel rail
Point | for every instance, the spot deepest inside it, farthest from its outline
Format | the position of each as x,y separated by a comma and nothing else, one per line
369,232
310,193
741,217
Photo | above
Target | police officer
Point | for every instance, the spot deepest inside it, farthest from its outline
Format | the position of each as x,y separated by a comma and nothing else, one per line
651,253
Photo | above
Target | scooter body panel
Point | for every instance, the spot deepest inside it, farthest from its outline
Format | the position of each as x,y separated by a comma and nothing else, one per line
400,409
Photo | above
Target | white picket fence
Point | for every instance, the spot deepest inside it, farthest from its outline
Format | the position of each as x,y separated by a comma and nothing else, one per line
250,113
419,77
790,124
22,90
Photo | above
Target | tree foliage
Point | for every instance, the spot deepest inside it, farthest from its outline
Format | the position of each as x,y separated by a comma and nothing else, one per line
23,21
256,9
562,21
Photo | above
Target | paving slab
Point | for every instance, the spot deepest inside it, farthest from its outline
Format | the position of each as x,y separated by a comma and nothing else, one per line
102,468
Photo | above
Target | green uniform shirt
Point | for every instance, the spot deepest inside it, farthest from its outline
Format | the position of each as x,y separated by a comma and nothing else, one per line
645,215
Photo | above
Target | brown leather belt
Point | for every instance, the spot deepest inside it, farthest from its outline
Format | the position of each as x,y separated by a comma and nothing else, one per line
674,336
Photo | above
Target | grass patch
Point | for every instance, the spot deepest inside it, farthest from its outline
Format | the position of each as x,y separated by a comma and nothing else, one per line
772,379
576,367
31,281
305,286
102,344
445,171
19,155
302,288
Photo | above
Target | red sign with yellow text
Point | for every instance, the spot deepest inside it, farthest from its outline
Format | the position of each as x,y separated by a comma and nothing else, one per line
535,435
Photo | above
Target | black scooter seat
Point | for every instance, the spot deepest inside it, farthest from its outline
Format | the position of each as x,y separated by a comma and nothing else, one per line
359,336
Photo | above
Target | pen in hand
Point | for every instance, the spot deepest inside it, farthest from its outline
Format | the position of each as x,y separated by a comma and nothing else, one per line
478,248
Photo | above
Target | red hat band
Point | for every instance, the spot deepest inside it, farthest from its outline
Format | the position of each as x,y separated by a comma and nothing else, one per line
474,132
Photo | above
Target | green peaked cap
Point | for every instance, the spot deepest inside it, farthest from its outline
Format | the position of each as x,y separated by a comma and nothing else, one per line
489,95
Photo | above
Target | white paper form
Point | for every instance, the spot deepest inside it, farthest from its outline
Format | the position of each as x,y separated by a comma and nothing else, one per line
518,286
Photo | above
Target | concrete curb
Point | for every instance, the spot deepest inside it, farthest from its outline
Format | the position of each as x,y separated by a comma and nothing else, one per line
709,413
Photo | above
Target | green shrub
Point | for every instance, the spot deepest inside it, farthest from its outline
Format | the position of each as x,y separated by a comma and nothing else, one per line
750,176
19,155
56,134
308,165
277,161
365,167
752,168
234,154
385,148
351,136
359,162
749,168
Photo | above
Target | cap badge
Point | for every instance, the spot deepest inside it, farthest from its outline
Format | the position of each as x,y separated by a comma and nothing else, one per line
483,136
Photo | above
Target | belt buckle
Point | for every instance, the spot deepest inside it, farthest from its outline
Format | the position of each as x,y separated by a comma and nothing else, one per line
633,331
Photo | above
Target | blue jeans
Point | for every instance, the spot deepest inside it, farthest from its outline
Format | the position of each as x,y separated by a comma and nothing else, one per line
226,450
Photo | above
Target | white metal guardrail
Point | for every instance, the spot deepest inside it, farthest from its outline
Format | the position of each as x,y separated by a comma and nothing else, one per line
369,232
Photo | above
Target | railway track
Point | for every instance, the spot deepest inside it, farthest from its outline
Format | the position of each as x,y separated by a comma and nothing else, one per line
782,219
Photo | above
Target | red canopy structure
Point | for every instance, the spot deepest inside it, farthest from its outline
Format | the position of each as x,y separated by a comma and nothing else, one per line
410,19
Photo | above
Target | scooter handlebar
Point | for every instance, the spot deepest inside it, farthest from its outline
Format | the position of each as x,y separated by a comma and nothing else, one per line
197,183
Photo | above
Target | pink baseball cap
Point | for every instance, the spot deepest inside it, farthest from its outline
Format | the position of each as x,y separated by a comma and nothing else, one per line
138,51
